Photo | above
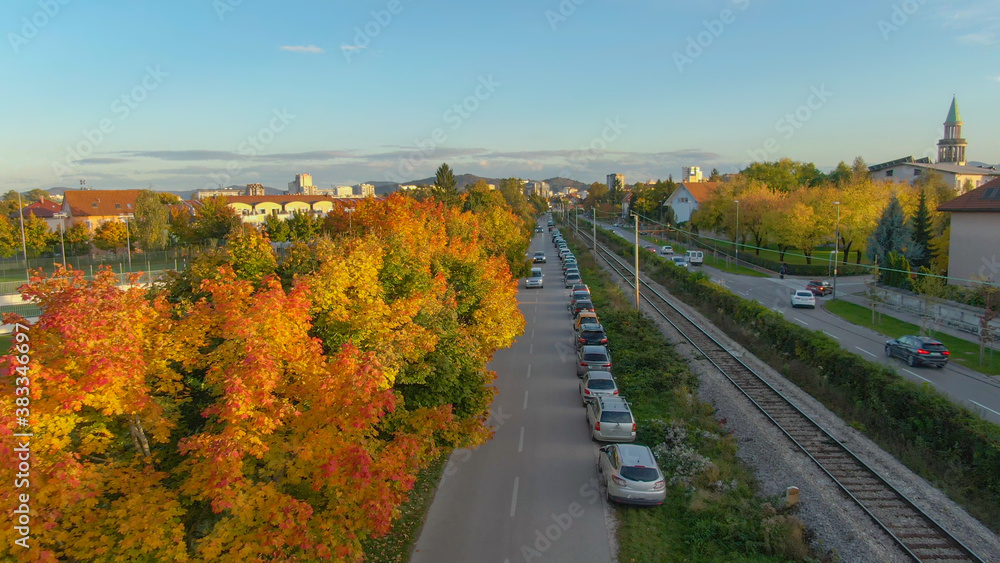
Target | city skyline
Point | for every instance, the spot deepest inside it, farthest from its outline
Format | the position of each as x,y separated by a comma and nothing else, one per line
195,94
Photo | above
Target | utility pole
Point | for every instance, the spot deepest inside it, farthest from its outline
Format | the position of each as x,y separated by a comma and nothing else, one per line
636,260
595,231
737,239
24,244
836,252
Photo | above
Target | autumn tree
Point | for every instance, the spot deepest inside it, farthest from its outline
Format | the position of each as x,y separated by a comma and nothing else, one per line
10,238
37,235
110,235
276,228
77,239
250,253
597,193
303,225
151,221
213,219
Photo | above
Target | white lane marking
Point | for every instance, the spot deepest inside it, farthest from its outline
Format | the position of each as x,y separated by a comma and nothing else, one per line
520,442
866,351
984,406
531,349
776,310
801,321
529,370
525,399
917,376
532,333
831,335
513,500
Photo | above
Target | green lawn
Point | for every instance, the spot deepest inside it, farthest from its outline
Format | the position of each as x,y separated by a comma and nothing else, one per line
962,351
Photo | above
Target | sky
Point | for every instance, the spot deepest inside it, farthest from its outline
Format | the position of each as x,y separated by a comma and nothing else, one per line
191,94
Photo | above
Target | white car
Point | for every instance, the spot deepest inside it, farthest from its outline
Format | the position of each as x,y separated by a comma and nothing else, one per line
666,249
803,298
535,280
681,262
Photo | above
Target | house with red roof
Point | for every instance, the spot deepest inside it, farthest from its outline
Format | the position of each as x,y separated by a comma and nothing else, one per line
688,197
974,246
43,209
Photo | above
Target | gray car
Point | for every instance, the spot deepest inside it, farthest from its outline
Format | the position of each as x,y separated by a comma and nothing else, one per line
631,474
573,279
610,420
592,357
597,384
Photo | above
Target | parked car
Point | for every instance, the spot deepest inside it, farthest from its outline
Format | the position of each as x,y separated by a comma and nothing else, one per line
592,357
591,335
535,279
580,294
666,250
610,420
597,384
680,262
581,305
570,272
573,279
803,298
580,287
584,318
569,263
820,288
631,474
918,351
538,257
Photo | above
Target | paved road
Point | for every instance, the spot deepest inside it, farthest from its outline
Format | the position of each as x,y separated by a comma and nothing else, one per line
979,392
529,494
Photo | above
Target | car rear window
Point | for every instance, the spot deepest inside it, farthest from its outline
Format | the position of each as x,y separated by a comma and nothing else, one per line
593,334
622,417
644,474
933,346
595,358
803,293
601,384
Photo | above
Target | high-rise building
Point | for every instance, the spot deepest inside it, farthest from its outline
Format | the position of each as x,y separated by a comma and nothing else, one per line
951,149
343,191
364,190
612,178
302,185
691,174
255,189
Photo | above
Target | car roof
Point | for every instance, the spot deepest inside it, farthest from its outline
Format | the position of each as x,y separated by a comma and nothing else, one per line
614,404
594,349
591,326
803,292
926,339
599,375
636,454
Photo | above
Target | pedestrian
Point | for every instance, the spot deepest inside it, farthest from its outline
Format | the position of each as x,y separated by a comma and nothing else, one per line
784,270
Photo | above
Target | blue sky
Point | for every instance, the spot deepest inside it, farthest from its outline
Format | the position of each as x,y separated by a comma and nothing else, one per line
193,93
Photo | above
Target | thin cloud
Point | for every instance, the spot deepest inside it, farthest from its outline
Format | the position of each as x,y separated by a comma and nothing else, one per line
302,48
352,47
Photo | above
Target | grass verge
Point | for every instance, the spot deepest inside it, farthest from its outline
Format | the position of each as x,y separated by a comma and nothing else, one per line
962,351
395,547
712,511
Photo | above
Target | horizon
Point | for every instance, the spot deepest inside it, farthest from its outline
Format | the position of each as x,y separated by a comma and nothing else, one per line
194,94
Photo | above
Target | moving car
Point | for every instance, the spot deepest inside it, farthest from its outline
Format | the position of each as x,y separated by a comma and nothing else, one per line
631,474
592,357
820,288
680,262
803,298
539,229
610,420
538,257
918,351
666,250
535,279
597,384
696,257
650,248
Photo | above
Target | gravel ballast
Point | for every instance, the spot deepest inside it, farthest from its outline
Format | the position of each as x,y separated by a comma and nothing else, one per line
840,527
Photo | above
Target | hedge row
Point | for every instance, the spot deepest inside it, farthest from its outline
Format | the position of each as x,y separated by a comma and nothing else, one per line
938,439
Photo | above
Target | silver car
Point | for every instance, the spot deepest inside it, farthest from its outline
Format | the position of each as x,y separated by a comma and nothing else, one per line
631,475
610,420
592,357
597,384
573,279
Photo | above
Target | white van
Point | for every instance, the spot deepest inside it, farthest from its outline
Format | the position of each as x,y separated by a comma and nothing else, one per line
696,257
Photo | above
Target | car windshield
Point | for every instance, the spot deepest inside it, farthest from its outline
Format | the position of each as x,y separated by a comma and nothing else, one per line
620,417
539,254
644,474
595,357
601,384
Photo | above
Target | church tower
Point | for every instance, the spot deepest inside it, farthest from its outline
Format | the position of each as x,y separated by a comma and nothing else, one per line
951,149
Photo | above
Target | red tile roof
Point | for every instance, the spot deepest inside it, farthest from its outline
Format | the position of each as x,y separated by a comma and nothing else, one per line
701,191
100,203
42,208
985,198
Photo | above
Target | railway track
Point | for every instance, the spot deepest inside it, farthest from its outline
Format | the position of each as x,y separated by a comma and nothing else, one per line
915,532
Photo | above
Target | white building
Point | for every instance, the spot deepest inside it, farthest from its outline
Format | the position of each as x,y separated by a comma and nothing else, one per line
691,174
612,178
302,185
364,190
974,244
343,191
688,197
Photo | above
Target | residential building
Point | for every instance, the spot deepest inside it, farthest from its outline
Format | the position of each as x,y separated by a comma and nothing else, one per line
217,192
255,189
302,185
342,191
45,209
364,190
688,197
91,208
408,187
974,246
538,188
691,174
254,209
619,178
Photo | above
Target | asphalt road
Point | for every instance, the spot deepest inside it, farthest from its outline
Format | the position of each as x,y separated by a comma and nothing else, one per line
530,493
979,392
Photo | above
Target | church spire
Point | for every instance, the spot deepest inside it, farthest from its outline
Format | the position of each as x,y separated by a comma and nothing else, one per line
954,118
951,149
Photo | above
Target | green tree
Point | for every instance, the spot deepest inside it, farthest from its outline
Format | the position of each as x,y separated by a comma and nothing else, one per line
213,219
784,175
181,227
303,225
898,272
841,175
859,170
920,224
250,253
892,234
479,197
715,176
77,239
110,235
445,186
277,229
151,222
596,193
37,235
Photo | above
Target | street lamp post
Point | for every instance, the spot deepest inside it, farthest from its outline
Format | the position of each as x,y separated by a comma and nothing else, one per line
62,241
836,251
636,260
128,240
737,240
350,218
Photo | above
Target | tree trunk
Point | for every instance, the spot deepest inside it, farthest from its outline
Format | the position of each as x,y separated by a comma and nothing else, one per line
808,254
138,435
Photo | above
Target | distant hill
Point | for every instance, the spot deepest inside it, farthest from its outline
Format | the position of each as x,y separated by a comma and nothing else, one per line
463,180
561,183
184,194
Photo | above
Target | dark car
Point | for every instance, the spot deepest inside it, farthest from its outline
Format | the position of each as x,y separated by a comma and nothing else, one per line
591,335
918,351
820,288
538,257
581,305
